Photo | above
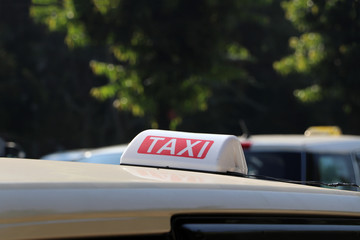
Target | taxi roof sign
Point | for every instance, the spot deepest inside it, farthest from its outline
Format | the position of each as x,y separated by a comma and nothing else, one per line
184,150
323,130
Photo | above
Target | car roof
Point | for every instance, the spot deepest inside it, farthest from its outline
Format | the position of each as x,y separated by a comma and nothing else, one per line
40,198
339,144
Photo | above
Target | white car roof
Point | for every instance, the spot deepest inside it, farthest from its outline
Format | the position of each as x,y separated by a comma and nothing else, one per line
339,144
39,199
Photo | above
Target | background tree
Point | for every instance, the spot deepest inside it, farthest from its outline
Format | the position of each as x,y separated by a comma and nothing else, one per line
200,66
168,57
326,55
261,98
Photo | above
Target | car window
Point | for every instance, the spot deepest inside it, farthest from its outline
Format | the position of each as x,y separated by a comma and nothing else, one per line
285,165
330,168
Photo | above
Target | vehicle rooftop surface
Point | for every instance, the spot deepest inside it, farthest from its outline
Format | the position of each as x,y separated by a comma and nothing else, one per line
162,175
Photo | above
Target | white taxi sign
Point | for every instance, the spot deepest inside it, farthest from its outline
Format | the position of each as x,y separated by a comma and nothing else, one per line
184,150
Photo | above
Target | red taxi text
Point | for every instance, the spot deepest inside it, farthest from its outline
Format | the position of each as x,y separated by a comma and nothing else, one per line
180,147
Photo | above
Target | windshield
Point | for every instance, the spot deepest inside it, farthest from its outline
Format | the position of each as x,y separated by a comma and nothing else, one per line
330,168
286,165
320,167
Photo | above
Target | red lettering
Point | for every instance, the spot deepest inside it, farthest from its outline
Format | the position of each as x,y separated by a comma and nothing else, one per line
180,147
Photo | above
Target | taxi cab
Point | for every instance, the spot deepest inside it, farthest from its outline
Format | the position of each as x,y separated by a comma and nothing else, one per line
169,185
322,154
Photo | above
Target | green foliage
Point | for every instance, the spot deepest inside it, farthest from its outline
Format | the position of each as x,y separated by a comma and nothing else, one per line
299,11
163,50
124,85
309,94
327,50
308,52
60,17
237,52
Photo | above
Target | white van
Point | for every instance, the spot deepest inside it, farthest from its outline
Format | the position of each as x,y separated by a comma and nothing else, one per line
322,154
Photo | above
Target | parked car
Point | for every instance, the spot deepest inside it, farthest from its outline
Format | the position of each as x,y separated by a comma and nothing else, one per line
104,155
322,154
169,185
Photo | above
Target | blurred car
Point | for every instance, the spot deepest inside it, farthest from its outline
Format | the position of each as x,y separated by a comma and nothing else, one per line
11,149
104,155
169,186
67,156
322,154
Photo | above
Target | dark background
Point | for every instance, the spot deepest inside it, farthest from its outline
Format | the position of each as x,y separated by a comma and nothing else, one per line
77,74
